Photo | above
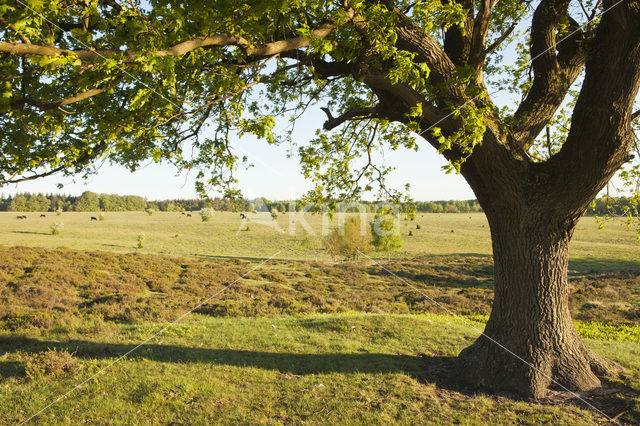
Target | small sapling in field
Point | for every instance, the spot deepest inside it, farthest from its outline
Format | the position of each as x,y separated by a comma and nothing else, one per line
55,228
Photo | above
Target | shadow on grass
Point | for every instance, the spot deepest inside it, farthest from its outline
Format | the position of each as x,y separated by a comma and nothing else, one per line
29,232
426,369
117,246
582,266
466,270
462,270
423,368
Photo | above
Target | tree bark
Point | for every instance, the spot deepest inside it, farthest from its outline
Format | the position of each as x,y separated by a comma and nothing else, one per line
529,343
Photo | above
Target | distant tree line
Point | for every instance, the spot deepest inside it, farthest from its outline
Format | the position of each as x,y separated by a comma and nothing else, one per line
451,206
87,202
91,202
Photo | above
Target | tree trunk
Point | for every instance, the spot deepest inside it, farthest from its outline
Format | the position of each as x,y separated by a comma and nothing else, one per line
529,343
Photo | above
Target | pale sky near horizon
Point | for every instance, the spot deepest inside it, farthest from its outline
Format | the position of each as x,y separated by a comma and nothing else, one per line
273,175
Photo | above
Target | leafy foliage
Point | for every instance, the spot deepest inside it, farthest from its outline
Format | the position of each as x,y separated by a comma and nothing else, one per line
154,104
349,240
87,82
385,229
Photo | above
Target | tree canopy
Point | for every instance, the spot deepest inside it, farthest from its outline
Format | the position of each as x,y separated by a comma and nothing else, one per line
91,80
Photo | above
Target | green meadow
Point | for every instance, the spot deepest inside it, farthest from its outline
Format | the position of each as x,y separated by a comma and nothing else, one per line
291,236
214,334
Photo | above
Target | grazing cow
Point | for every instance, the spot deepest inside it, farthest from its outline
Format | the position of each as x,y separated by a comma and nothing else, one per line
184,214
43,215
242,215
20,217
94,218
188,215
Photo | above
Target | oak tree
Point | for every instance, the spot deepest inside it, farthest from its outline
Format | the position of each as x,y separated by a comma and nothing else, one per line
83,81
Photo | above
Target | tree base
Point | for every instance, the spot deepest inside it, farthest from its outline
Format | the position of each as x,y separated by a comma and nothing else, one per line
571,366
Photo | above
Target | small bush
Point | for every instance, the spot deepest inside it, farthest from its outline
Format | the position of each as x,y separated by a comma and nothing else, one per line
52,362
101,217
149,211
353,239
58,212
418,226
386,231
55,228
140,239
206,214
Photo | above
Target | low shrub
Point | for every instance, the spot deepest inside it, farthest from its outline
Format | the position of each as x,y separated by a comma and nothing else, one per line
52,362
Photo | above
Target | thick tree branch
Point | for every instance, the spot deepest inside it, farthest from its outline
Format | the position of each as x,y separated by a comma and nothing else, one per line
407,98
458,41
601,135
479,35
219,40
44,106
553,74
635,115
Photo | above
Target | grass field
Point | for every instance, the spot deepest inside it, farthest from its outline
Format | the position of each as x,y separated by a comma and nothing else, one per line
173,234
299,339
318,369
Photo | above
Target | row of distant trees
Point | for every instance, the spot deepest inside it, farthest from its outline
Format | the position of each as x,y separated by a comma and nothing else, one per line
617,206
91,201
87,202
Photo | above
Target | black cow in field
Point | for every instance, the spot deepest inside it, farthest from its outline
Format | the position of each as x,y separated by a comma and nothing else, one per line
21,217
243,216
94,218
188,215
43,215
184,214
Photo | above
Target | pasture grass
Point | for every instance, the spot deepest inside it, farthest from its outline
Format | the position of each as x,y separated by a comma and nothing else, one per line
294,236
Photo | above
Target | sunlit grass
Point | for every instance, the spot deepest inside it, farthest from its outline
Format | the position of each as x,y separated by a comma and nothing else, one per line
293,236
319,369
